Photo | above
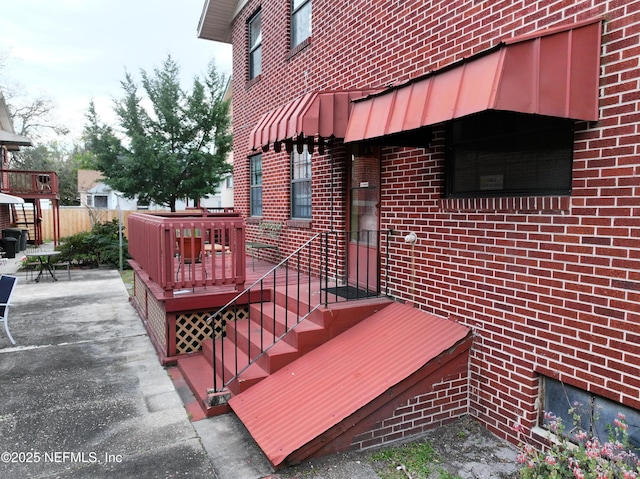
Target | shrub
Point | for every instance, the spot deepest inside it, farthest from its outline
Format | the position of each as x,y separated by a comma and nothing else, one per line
100,246
580,456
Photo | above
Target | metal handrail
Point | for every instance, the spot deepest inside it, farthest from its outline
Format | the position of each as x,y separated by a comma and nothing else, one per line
247,291
327,265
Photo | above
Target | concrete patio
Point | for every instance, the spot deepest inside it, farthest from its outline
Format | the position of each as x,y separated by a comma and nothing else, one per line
85,396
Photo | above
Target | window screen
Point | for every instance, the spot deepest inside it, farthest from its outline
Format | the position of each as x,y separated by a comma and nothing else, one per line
509,154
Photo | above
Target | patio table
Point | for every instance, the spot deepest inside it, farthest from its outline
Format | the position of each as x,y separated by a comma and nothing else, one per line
44,257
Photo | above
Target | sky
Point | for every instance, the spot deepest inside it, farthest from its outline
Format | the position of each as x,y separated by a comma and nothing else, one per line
76,51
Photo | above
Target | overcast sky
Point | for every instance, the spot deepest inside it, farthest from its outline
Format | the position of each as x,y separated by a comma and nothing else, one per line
74,51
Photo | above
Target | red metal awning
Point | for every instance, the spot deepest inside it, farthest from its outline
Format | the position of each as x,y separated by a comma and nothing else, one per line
321,114
554,72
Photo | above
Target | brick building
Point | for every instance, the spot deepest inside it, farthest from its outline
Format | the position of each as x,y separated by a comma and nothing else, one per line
504,135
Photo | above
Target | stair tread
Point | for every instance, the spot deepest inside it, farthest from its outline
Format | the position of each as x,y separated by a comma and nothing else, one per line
307,335
284,319
198,373
267,336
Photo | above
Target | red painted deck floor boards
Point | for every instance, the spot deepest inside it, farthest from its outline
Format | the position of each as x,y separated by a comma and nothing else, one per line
338,378
253,274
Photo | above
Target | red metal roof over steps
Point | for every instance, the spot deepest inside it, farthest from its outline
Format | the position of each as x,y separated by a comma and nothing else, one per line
316,392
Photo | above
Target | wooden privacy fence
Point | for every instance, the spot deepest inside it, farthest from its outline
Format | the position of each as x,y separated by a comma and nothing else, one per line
76,219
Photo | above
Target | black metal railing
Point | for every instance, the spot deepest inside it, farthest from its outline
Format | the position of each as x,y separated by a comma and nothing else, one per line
356,262
330,267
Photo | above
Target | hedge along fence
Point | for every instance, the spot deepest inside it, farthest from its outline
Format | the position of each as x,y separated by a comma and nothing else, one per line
76,219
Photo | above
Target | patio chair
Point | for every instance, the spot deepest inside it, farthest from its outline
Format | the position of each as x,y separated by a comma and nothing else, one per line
62,265
268,237
30,265
7,285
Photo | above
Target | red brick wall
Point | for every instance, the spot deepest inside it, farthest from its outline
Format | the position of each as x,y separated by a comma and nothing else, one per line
446,401
550,286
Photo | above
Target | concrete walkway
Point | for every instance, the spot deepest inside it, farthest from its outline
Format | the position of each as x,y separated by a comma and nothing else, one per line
84,395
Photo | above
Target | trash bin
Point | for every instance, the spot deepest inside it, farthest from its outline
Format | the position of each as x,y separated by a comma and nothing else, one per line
24,239
9,246
13,233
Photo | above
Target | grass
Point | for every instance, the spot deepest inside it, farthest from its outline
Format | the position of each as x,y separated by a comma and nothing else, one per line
127,279
417,460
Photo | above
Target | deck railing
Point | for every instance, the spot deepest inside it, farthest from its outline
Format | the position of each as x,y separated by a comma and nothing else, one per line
189,250
325,269
32,183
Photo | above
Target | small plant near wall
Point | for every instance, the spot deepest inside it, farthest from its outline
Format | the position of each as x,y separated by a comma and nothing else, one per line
575,454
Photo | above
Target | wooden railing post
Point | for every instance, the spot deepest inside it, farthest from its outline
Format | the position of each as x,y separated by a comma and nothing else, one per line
152,245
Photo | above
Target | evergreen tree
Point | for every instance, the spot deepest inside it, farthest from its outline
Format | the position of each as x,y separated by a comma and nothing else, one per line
176,148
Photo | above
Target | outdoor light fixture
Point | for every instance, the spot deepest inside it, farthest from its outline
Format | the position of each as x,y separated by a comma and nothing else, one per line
411,238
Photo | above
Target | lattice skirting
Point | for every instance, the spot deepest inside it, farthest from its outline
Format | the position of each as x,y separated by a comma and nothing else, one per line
156,319
192,327
152,311
140,291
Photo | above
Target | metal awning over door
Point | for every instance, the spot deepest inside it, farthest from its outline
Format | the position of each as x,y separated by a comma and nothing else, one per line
554,72
319,114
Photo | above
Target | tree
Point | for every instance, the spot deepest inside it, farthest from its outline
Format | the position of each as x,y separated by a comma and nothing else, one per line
32,117
53,156
174,149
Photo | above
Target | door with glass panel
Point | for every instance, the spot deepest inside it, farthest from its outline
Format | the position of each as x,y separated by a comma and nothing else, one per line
364,219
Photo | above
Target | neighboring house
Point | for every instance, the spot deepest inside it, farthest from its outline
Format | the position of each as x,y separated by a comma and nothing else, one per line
9,141
102,196
94,193
223,198
87,179
25,193
503,136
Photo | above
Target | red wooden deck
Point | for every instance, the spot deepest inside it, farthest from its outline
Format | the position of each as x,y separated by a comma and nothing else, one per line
254,271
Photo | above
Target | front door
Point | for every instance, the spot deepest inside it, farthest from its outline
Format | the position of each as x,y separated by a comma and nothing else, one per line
364,218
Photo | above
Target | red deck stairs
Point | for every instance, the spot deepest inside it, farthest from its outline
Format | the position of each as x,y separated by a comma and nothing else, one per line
322,325
320,402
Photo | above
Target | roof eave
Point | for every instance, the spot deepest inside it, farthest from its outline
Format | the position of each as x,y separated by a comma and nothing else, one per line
216,19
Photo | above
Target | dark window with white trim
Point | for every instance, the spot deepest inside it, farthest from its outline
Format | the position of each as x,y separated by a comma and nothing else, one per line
509,154
301,184
100,201
300,21
255,46
255,166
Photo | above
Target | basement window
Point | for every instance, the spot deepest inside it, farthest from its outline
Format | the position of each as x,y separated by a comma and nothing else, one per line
597,414
499,153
